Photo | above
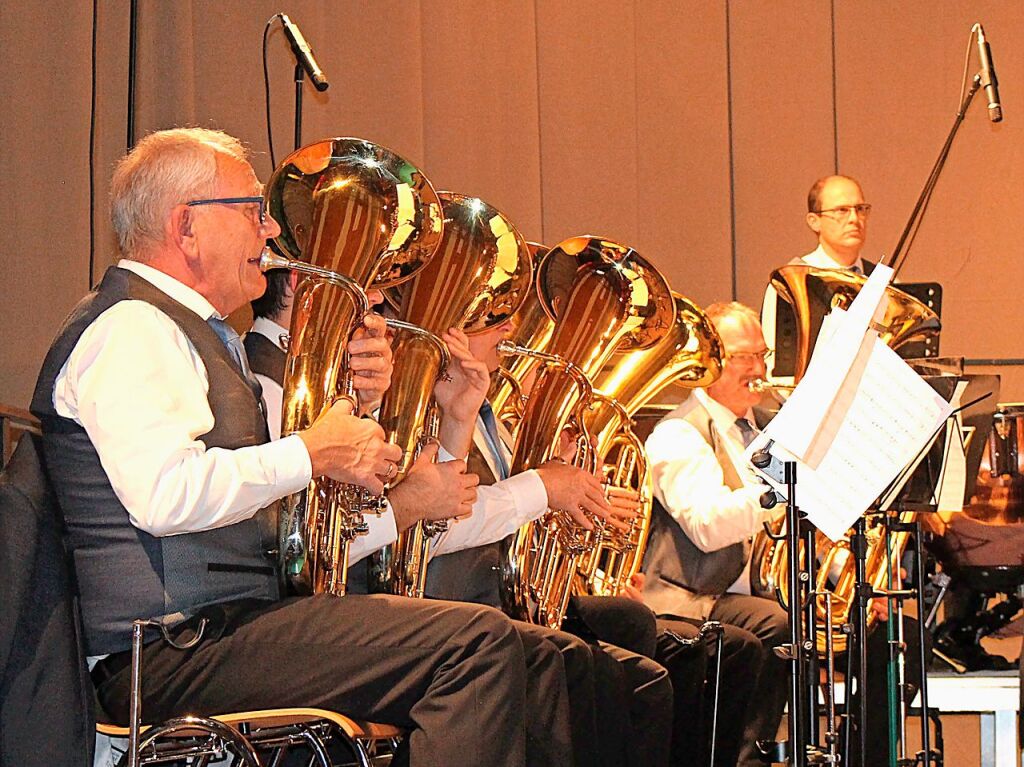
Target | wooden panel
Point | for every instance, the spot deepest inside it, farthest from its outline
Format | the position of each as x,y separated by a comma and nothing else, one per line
682,115
586,59
480,105
781,59
899,71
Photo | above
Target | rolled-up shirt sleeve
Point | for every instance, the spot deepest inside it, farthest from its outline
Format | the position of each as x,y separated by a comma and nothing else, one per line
139,389
689,482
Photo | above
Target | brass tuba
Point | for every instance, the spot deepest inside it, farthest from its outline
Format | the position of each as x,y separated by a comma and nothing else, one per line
532,328
353,208
689,356
813,293
603,297
478,278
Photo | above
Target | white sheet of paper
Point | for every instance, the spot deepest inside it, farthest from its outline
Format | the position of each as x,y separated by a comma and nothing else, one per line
952,481
862,417
825,392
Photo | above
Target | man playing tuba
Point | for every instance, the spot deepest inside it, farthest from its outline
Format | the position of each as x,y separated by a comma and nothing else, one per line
158,449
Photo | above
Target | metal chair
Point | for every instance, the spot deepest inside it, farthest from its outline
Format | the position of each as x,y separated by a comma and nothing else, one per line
46,696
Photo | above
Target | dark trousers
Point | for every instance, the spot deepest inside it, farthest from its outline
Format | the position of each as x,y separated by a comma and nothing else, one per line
626,631
453,674
765,626
691,668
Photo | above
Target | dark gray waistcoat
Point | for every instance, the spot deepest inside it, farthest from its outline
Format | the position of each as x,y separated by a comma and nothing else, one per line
124,573
682,579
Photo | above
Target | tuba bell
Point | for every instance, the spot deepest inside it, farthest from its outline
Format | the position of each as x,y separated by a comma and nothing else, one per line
346,207
689,356
532,328
478,278
813,293
603,297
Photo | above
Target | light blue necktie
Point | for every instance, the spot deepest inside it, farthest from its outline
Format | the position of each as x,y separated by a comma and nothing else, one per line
233,342
493,440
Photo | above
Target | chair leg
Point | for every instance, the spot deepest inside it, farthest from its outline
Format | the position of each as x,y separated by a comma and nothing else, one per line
719,638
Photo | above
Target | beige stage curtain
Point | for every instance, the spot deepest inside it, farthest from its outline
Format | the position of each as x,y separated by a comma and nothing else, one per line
689,129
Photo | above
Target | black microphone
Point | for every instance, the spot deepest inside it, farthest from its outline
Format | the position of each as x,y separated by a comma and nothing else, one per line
988,75
304,54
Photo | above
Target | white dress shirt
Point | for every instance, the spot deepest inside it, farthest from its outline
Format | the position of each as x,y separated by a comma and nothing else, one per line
500,509
137,386
817,258
689,482
271,388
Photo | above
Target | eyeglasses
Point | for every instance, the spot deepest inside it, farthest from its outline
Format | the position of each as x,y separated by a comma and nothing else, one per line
750,358
843,212
234,201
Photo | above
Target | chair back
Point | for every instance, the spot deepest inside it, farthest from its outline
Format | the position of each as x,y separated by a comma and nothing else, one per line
46,696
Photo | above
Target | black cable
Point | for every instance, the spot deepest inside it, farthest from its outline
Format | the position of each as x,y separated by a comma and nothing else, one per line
92,152
266,89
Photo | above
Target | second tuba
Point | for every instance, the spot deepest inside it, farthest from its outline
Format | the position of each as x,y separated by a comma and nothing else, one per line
690,356
357,209
478,278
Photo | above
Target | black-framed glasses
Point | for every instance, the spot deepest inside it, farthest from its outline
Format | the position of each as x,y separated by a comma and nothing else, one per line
843,212
235,201
749,358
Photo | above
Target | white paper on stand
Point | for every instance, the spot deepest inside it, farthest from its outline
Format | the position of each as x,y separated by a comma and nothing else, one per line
857,418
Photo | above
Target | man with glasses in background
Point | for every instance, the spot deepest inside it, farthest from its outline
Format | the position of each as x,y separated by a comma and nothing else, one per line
707,511
838,215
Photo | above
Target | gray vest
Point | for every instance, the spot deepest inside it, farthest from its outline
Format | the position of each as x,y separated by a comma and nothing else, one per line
474,574
265,358
124,573
682,579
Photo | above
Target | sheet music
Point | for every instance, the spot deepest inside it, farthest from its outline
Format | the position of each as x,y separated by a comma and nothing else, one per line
858,417
952,482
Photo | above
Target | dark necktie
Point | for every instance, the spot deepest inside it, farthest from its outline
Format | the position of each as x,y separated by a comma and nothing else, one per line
493,440
747,432
233,343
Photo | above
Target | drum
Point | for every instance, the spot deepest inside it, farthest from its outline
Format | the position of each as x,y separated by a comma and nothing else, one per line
999,497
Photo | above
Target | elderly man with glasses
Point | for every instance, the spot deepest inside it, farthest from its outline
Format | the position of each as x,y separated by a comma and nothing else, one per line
159,453
708,509
838,216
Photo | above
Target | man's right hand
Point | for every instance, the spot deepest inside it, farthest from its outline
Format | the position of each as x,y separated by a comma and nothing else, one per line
575,491
350,449
433,491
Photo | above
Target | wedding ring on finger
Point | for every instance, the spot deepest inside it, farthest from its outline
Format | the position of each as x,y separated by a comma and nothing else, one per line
391,472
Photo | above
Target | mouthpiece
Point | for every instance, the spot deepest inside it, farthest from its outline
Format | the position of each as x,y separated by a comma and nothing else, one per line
760,386
270,260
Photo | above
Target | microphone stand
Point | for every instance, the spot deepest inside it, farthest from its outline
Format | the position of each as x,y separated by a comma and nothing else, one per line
899,255
300,76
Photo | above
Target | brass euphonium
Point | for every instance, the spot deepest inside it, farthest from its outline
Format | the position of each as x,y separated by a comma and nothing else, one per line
353,208
689,356
478,278
603,297
813,293
532,328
